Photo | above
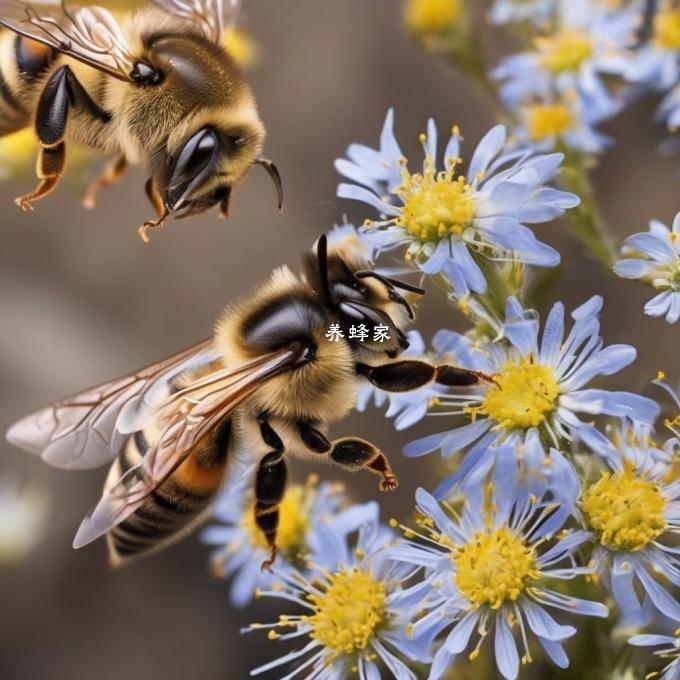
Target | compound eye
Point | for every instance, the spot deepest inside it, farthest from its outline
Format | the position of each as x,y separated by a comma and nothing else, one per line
197,153
345,291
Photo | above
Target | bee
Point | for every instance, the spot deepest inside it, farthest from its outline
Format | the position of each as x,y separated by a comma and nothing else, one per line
157,88
266,386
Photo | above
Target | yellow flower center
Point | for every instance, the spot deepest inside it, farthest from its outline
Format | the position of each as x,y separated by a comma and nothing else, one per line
436,205
667,28
348,612
565,51
432,16
293,523
524,395
548,120
494,567
626,511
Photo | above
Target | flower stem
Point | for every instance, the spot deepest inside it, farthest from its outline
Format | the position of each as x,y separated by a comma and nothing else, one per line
586,220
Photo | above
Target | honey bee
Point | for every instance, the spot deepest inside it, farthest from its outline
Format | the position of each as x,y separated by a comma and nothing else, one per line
157,88
265,386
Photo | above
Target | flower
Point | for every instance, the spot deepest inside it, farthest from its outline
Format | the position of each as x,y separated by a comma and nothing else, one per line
488,570
348,237
632,510
433,17
588,41
563,120
670,650
656,64
538,391
654,257
447,220
241,547
356,612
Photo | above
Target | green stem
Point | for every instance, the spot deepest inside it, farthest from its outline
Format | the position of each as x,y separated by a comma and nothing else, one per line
585,220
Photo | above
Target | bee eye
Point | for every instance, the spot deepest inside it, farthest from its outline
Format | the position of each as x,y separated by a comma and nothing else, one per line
196,154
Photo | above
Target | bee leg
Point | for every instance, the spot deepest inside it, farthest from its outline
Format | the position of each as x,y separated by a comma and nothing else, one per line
410,374
50,168
113,172
270,485
156,201
61,93
353,454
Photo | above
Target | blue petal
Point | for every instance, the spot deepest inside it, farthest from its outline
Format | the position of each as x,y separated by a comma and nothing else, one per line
660,597
553,334
487,149
507,658
555,651
633,269
543,625
652,245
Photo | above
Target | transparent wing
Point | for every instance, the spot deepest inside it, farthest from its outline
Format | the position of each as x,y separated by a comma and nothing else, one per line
187,416
86,430
211,16
90,34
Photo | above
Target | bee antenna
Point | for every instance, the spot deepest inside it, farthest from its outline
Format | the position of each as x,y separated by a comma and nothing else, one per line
407,286
275,177
322,256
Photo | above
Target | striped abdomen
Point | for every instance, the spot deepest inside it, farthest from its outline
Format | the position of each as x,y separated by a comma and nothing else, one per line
176,505
23,63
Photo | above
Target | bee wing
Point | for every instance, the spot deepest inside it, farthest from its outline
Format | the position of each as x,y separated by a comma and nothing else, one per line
211,16
213,397
87,430
90,34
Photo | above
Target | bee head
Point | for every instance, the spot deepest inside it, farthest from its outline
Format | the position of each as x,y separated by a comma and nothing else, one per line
207,164
358,297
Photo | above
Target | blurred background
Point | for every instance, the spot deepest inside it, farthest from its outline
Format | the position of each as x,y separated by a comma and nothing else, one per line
82,299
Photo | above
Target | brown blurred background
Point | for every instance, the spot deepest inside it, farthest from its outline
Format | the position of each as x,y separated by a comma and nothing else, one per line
82,300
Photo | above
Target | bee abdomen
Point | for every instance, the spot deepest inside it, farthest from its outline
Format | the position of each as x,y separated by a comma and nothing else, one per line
177,503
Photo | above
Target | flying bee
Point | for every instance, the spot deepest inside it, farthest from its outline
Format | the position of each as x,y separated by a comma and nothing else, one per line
157,88
265,386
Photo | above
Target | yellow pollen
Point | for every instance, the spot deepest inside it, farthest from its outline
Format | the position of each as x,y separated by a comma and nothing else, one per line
548,120
564,51
494,567
626,510
436,204
524,395
433,16
348,613
667,28
293,523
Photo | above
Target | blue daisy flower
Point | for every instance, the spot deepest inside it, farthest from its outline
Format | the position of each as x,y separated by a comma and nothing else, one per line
539,389
633,512
588,42
355,613
654,257
656,65
446,219
669,649
548,123
488,571
240,547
